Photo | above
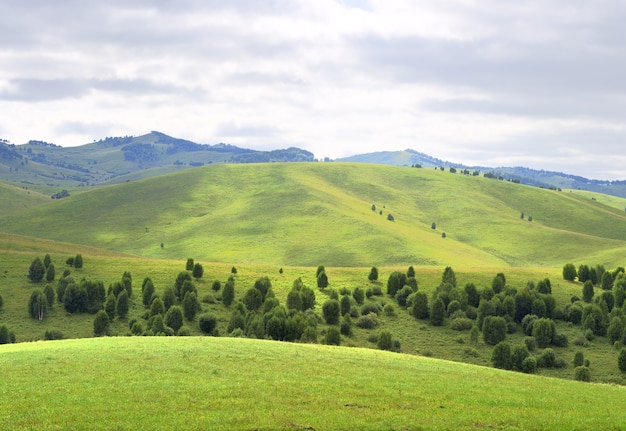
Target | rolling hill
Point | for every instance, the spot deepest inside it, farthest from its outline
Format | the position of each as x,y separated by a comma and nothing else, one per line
312,213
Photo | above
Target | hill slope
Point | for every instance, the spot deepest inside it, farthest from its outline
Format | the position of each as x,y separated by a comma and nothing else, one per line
307,214
220,383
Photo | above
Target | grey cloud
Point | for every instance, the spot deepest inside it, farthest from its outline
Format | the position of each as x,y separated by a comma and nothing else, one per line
246,130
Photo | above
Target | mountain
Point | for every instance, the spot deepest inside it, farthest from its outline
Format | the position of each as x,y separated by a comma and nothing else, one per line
337,214
533,177
118,159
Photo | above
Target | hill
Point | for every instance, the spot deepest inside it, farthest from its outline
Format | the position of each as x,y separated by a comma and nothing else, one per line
529,176
163,383
117,159
311,213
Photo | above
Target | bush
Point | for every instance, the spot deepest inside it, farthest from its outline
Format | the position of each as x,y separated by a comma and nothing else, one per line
370,307
529,365
207,323
582,374
6,336
385,340
396,281
420,309
437,312
501,356
579,359
517,357
373,275
402,295
530,343
121,305
185,332
462,324
228,293
621,360
359,295
367,322
547,359
346,325
137,328
569,272
494,329
333,337
559,340
330,311
101,324
543,331
345,304
53,334
37,270
209,298
174,318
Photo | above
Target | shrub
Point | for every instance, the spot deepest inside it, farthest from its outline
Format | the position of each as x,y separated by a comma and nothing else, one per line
101,323
615,330
437,312
346,325
527,323
370,307
209,298
517,357
322,280
373,275
462,324
228,293
121,305
333,337
453,306
395,282
389,310
207,323
420,306
252,299
37,305
174,318
621,360
402,295
137,328
494,329
6,336
530,343
474,332
78,261
547,359
385,340
569,272
529,365
37,270
330,311
367,322
184,331
345,304
560,340
53,334
190,305
543,331
377,290
582,374
501,356
579,359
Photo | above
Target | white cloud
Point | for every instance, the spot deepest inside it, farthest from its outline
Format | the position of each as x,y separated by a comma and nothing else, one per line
536,83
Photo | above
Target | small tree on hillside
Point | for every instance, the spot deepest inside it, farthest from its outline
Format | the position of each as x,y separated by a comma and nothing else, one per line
331,310
50,273
501,356
621,360
101,324
174,318
373,275
147,291
494,329
395,282
437,312
37,305
78,261
588,291
47,260
198,271
322,280
228,293
420,308
36,271
569,272
121,305
189,265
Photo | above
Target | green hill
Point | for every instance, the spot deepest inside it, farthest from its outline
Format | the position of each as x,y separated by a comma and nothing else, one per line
159,383
306,214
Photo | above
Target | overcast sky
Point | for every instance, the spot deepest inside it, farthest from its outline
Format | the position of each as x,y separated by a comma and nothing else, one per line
538,83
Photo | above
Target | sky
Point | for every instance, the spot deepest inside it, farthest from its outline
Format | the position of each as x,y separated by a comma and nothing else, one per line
537,83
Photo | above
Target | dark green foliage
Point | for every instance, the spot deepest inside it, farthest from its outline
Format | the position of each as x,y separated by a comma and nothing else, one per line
582,374
70,261
359,295
473,297
594,319
181,278
53,334
207,323
116,288
588,291
370,307
538,308
294,300
485,308
331,310
174,318
48,291
606,281
544,286
189,265
619,292
333,337
78,261
389,310
121,305
190,305
508,306
169,297
75,299
37,271
37,305
346,325
559,340
462,324
410,272
308,298
6,336
453,306
517,357
437,312
237,320
344,304
529,365
385,340
322,280
402,295
252,299
528,322
216,285
497,285
95,295
368,321
615,330
233,270
494,329
137,328
583,273
412,283
157,307
569,272
101,324
390,217
47,260
127,281
395,282
579,359
543,331
228,293
147,291
420,309
264,286
156,324
448,276
109,306
523,304
319,270
547,359
50,273
501,356
621,360
608,298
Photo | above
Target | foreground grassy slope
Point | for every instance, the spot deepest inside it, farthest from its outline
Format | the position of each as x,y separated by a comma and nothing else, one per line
306,214
218,383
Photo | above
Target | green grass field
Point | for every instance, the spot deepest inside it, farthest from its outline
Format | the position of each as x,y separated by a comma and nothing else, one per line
195,383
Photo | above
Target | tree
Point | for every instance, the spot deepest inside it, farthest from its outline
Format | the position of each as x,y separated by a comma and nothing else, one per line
207,323
621,360
615,330
449,276
437,312
319,270
497,284
50,273
178,284
47,260
78,261
385,340
228,293
308,298
501,356
517,357
101,323
588,291
174,318
410,272
37,305
169,297
252,299
473,298
494,329
569,272
157,307
121,305
75,299
147,291
543,331
395,282
373,275
322,280
48,291
333,337
606,281
433,226
345,304
37,271
583,273
330,310
420,308
6,336
294,300
263,285
189,265
359,295
109,306
190,305
198,271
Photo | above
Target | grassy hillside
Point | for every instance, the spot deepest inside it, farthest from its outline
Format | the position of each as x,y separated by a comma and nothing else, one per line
217,383
306,214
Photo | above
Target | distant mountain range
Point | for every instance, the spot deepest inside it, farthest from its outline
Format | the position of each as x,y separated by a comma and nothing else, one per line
119,159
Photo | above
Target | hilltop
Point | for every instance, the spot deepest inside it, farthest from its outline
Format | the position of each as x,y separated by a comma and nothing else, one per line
339,214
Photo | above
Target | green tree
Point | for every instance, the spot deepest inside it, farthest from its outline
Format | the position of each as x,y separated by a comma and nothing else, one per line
147,291
330,310
449,276
588,291
385,340
198,271
583,273
606,281
319,270
497,284
263,285
333,337
308,298
252,299
37,271
569,272
395,282
37,305
473,297
121,305
109,306
190,305
345,326
178,284
6,336
75,299
48,291
127,281
410,272
437,312
501,356
228,293
517,357
174,318
157,307
101,323
207,323
322,280
621,360
169,297
494,329
345,303
294,300
373,275
50,273
78,261
579,359
47,260
359,295
420,308
543,331
189,265
615,330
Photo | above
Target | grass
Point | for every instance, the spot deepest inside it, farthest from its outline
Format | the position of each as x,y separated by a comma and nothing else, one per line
218,383
310,213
